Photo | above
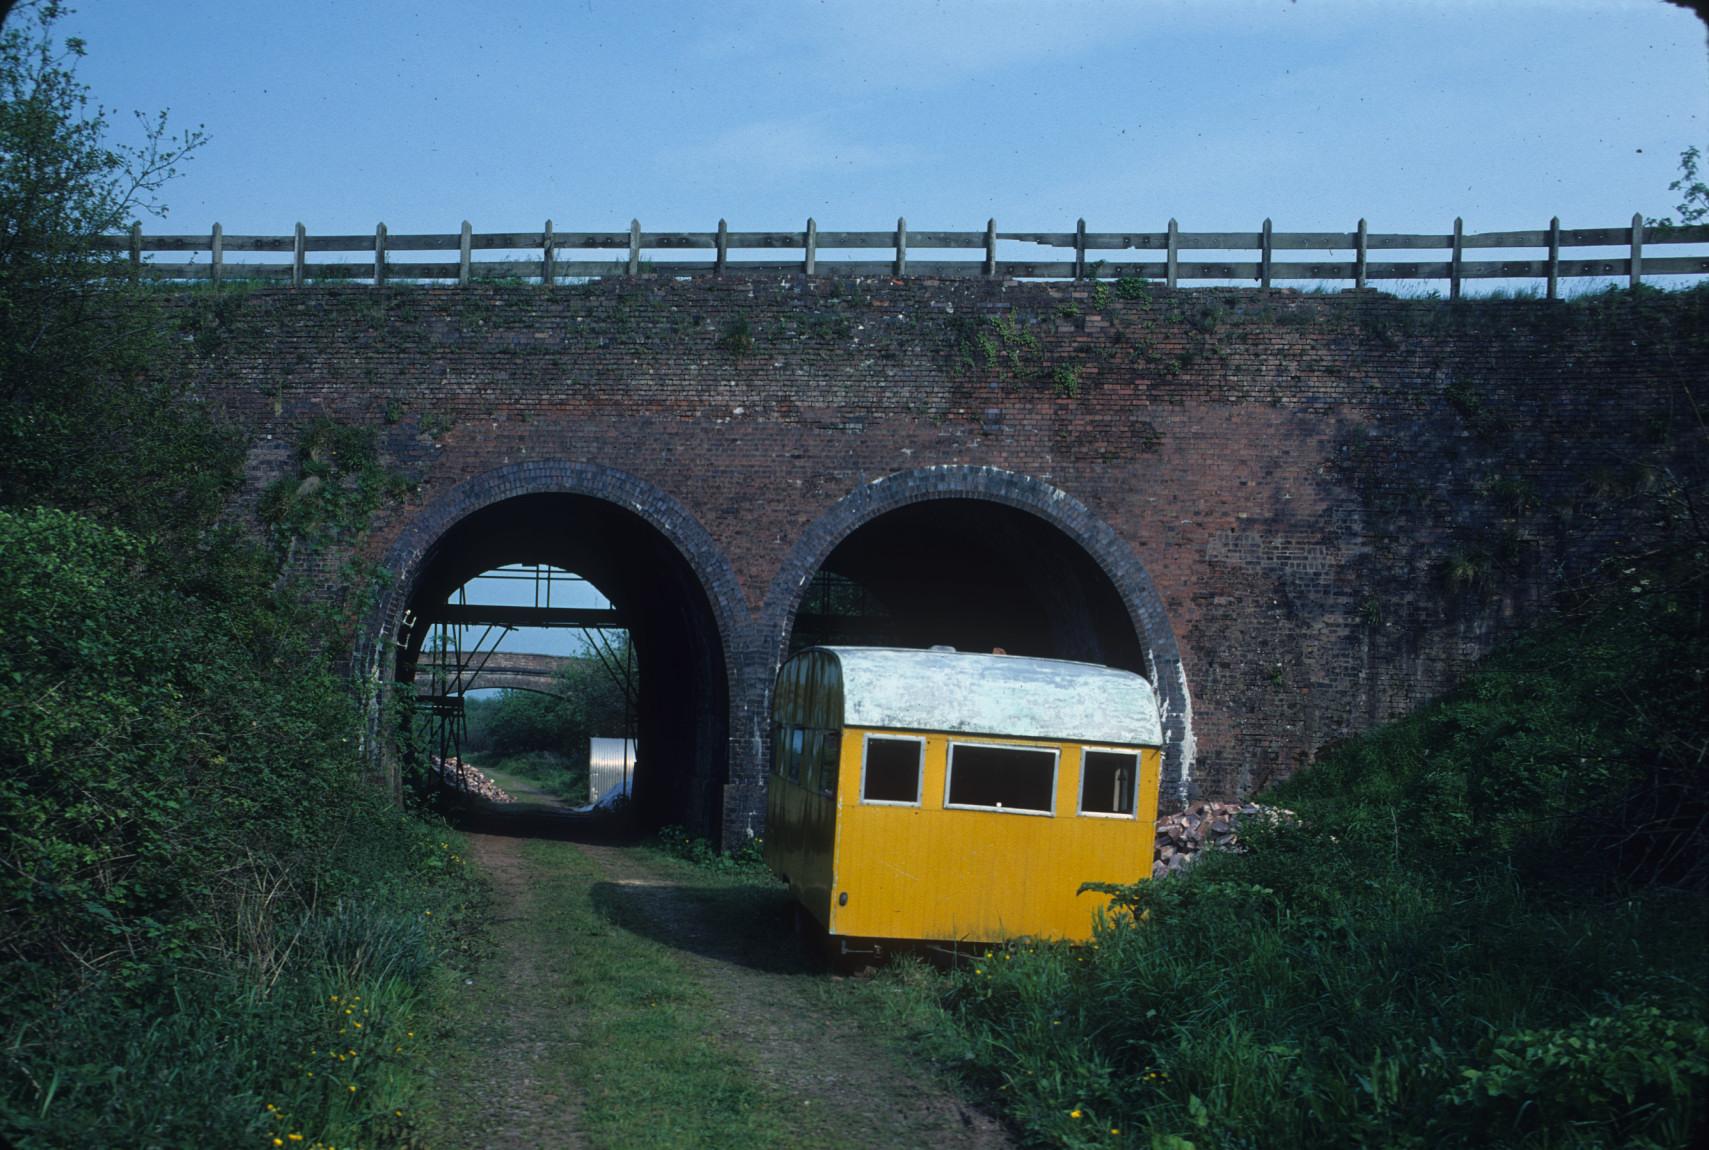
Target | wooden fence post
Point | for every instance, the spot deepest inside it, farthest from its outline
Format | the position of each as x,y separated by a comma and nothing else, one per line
216,245
1172,267
380,255
136,250
1080,249
1637,268
1555,257
811,254
465,246
723,247
1457,258
901,246
299,255
548,257
1359,259
991,246
634,248
1264,254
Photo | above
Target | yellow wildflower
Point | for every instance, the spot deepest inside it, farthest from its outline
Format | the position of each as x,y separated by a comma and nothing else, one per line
1074,1113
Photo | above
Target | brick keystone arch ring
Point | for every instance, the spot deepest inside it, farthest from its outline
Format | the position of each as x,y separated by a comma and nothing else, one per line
1024,493
404,560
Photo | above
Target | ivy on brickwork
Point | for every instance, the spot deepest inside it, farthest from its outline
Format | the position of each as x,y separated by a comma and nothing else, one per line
338,484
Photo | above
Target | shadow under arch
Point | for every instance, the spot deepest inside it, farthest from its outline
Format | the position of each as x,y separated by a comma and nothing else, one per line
662,571
1060,518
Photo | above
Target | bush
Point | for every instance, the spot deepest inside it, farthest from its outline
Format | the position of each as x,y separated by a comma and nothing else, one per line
1443,950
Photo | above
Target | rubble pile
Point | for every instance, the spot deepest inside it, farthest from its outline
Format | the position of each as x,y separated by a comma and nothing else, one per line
467,778
1202,825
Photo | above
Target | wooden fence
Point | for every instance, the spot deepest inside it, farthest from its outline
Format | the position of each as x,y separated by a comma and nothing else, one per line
564,255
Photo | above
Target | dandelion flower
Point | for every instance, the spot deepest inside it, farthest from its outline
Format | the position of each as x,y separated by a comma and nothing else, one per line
351,1088
1074,1113
295,1137
278,1141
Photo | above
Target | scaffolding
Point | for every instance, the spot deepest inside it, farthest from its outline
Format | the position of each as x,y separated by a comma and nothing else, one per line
453,671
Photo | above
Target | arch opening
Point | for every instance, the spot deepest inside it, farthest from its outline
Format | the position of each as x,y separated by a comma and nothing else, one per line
530,678
972,574
646,589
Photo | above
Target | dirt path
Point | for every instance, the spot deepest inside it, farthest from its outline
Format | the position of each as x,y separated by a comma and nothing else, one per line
513,1089
767,1016
801,1045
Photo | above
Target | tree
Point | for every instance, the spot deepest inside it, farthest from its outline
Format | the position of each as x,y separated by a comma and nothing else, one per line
1693,208
83,408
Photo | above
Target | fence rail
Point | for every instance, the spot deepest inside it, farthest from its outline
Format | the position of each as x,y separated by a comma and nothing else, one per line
808,254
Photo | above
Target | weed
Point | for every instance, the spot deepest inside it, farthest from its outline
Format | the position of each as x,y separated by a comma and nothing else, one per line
1065,381
738,337
1134,288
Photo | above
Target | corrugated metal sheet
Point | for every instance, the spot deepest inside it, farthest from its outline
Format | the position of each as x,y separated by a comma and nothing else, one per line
609,763
1011,695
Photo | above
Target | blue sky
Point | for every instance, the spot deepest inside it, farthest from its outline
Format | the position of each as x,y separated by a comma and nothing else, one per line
1036,112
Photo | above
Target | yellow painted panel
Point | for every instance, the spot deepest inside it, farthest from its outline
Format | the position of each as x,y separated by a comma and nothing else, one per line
927,872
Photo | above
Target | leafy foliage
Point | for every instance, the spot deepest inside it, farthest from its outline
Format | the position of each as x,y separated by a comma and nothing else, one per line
1483,929
1693,207
193,866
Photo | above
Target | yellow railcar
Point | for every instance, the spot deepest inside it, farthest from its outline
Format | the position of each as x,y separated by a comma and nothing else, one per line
943,796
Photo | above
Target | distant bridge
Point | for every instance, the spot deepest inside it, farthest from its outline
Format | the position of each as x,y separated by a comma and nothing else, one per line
495,670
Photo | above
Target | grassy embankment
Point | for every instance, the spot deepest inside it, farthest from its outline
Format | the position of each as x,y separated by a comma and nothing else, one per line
1485,928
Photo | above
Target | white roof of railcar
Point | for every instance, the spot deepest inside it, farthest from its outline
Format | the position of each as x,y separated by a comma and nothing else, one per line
979,694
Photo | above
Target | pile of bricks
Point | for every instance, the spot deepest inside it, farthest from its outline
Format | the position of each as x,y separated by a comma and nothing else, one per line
1201,826
457,775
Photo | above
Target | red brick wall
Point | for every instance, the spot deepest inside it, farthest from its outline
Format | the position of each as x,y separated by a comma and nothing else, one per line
1338,501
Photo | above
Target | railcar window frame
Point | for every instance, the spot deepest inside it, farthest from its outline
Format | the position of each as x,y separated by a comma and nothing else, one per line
919,742
1055,754
1132,787
830,761
795,752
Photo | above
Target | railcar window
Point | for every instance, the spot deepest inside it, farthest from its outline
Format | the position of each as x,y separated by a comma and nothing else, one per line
830,751
1002,778
891,773
792,762
1107,782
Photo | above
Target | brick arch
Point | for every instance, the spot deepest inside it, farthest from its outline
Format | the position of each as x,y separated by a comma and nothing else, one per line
1024,493
411,553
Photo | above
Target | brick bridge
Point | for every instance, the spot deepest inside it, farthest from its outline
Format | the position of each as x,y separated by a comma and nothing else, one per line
1298,514
495,670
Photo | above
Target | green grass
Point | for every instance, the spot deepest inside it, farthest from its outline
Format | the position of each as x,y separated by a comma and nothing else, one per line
551,772
631,1034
